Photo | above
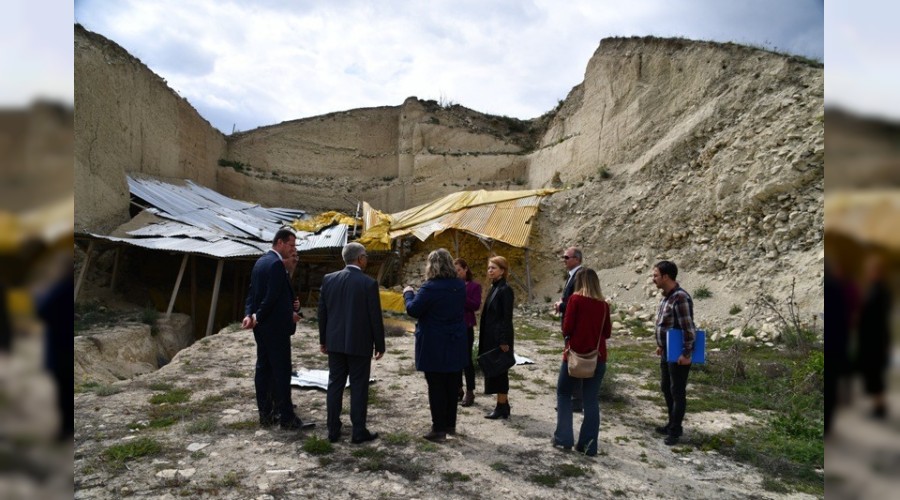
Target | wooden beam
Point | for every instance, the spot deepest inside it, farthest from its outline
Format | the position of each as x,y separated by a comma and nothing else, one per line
115,271
528,274
194,295
84,268
456,244
215,297
184,262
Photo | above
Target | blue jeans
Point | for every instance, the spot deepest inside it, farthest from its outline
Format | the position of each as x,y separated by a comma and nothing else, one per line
590,427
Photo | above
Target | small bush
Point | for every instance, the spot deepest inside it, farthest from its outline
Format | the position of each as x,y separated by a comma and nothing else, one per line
230,479
500,467
702,292
317,446
604,172
453,477
734,309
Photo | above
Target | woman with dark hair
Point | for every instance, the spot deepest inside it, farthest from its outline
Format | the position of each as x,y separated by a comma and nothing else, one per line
440,338
473,303
497,331
586,327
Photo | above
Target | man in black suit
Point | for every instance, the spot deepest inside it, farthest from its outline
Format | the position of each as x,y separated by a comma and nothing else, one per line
351,329
270,312
572,260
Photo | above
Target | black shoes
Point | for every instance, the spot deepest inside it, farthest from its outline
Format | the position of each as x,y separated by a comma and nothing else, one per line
436,437
266,422
468,399
663,429
370,436
671,440
296,424
500,411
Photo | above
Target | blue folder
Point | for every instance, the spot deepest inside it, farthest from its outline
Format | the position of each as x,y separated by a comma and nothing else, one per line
675,343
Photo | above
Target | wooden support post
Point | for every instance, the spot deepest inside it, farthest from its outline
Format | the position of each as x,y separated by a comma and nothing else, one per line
194,295
456,244
84,268
215,297
528,275
177,285
115,271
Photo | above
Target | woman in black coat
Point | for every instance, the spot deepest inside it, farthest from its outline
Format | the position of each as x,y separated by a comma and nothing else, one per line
497,331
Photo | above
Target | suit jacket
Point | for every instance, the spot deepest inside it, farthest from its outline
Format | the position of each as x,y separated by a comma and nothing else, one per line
350,319
271,297
496,318
567,292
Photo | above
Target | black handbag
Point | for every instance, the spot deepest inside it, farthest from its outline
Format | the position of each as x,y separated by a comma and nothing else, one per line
496,362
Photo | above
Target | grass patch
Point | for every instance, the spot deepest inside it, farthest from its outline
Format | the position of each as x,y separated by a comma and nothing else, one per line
455,477
398,438
172,396
204,425
548,480
235,374
118,454
161,386
702,292
527,331
317,446
242,425
367,452
231,479
427,447
788,385
571,470
409,470
500,467
735,309
102,390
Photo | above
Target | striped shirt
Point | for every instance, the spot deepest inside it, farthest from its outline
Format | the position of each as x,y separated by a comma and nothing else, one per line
676,310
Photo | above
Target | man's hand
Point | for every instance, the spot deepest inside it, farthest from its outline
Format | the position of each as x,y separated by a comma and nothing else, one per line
378,355
409,289
658,351
556,305
684,360
322,349
247,323
296,317
504,347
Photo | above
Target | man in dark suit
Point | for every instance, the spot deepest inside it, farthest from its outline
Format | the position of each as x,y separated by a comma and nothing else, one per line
572,260
270,312
351,329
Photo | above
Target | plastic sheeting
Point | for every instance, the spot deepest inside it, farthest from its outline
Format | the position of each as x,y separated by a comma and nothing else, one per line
869,217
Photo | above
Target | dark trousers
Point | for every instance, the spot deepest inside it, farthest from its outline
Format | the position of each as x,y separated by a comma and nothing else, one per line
442,391
832,379
358,368
674,384
273,376
469,370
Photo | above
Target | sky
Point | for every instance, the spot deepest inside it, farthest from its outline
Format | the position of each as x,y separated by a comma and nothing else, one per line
247,64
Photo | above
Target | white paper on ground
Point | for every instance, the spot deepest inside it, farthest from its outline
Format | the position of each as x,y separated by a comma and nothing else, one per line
317,379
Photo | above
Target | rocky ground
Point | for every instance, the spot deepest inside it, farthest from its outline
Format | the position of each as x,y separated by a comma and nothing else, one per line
190,430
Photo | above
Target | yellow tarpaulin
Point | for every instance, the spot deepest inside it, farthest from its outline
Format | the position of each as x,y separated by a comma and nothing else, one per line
870,217
392,301
499,215
323,220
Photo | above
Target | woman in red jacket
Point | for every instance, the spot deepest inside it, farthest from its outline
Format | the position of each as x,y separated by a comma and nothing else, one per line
585,327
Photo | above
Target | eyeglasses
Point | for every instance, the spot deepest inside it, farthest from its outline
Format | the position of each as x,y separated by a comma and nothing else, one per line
364,255
566,257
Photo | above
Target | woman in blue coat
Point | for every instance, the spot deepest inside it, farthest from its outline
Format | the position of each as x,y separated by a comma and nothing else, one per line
440,338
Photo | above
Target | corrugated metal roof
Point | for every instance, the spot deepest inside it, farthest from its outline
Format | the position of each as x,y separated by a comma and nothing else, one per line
198,220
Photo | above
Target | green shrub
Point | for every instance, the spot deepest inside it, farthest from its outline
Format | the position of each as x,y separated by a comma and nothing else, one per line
702,292
735,309
317,446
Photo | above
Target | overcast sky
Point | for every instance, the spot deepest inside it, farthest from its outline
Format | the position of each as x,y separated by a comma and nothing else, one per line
251,63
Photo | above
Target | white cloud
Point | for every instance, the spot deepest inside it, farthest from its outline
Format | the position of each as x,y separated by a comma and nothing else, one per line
250,64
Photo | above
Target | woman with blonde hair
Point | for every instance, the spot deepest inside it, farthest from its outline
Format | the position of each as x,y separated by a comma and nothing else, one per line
440,338
586,327
497,331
